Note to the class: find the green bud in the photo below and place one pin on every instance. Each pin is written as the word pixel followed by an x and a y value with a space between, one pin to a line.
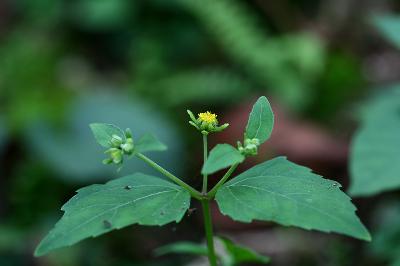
pixel 250 147
pixel 128 146
pixel 116 140
pixel 116 155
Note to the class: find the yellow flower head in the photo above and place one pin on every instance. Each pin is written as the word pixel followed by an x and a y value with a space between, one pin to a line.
pixel 208 117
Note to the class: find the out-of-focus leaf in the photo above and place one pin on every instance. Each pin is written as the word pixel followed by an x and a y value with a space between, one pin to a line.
pixel 289 194
pixel 28 79
pixel 228 253
pixel 75 156
pixel 98 209
pixel 236 254
pixel 101 15
pixel 261 121
pixel 3 134
pixel 389 26
pixel 209 85
pixel 221 156
pixel 148 142
pixel 33 12
pixel 386 233
pixel 375 152
pixel 183 247
pixel 103 133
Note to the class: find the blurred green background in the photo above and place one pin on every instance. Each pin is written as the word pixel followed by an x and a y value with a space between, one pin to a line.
pixel 141 64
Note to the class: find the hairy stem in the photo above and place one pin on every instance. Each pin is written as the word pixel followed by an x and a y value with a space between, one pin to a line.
pixel 212 258
pixel 214 190
pixel 205 154
pixel 193 192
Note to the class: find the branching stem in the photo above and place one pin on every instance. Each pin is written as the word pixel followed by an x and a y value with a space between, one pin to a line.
pixel 193 192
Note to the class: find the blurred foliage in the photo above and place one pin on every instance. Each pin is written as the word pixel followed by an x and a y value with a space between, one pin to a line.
pixel 287 65
pixel 386 244
pixel 76 157
pixel 389 26
pixel 228 252
pixel 375 149
pixel 3 134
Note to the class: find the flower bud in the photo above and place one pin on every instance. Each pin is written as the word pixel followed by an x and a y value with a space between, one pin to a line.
pixel 116 155
pixel 250 147
pixel 128 146
pixel 116 141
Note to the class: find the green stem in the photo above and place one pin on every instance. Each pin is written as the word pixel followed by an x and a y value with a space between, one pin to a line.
pixel 193 192
pixel 212 258
pixel 214 190
pixel 205 154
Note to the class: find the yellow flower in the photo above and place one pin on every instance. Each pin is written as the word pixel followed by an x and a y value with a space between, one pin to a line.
pixel 208 117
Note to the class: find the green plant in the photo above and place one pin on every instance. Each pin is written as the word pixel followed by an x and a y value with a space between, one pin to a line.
pixel 276 190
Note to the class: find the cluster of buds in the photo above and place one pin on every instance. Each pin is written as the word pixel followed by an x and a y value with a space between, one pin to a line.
pixel 250 147
pixel 120 146
pixel 206 122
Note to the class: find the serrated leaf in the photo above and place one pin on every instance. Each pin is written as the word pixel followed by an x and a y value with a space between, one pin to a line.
pixel 103 133
pixel 183 247
pixel 98 209
pixel 236 254
pixel 149 142
pixel 375 149
pixel 220 157
pixel 389 26
pixel 289 194
pixel 261 121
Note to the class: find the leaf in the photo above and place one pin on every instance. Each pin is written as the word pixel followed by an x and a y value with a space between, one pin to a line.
pixel 228 252
pixel 98 209
pixel 182 247
pixel 386 232
pixel 149 142
pixel 221 156
pixel 289 194
pixel 236 254
pixel 104 132
pixel 389 26
pixel 261 121
pixel 375 149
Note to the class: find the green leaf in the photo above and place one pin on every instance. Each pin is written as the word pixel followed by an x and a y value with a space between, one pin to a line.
pixel 103 133
pixel 261 121
pixel 389 26
pixel 221 156
pixel 183 247
pixel 289 194
pixel 98 209
pixel 236 254
pixel 149 142
pixel 228 252
pixel 386 232
pixel 375 149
